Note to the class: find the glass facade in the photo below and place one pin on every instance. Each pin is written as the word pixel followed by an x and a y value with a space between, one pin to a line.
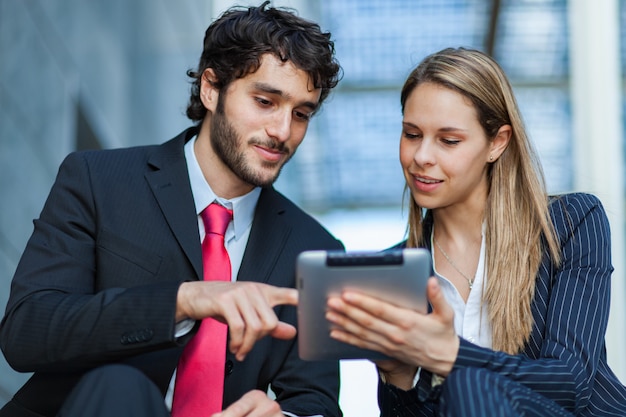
pixel 355 163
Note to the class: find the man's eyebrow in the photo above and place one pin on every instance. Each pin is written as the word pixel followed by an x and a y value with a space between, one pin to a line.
pixel 269 89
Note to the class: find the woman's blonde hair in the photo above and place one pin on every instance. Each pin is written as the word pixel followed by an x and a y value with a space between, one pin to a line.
pixel 516 213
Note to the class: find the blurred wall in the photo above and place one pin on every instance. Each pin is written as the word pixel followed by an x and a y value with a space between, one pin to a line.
pixel 101 71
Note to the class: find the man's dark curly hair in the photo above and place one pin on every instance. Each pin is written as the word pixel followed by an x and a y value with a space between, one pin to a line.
pixel 236 41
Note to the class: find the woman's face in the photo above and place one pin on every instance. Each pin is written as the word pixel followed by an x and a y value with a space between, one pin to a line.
pixel 444 151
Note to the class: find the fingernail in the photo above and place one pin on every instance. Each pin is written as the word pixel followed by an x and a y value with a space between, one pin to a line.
pixel 334 302
pixel 334 334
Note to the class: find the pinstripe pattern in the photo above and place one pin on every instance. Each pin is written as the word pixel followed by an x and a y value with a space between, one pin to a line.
pixel 565 358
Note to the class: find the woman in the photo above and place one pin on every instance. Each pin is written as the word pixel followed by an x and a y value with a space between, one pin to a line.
pixel 520 297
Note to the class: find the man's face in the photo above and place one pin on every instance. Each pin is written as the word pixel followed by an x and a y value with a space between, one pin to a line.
pixel 258 121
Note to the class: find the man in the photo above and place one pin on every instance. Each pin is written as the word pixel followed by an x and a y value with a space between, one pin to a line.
pixel 111 290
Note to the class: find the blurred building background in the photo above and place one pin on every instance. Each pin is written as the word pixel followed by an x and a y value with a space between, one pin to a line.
pixel 111 73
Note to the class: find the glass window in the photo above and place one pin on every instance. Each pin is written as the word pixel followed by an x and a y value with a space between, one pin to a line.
pixel 378 43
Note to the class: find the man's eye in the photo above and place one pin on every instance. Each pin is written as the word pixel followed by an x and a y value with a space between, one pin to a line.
pixel 303 116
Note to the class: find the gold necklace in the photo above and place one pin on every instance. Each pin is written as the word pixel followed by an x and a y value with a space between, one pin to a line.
pixel 443 252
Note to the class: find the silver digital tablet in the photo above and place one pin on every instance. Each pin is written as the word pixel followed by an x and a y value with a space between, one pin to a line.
pixel 397 276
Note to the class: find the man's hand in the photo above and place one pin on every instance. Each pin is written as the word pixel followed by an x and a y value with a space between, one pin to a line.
pixel 246 307
pixel 253 404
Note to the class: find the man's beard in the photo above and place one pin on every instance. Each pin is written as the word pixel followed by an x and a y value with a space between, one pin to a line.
pixel 226 144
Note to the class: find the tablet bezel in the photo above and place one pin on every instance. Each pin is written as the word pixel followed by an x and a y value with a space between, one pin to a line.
pixel 398 276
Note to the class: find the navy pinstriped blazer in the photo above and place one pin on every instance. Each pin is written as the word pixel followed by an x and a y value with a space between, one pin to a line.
pixel 565 357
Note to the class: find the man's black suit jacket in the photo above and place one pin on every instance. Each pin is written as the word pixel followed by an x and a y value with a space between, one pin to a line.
pixel 98 279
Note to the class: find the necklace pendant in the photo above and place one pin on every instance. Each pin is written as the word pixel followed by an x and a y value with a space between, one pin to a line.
pixel 445 255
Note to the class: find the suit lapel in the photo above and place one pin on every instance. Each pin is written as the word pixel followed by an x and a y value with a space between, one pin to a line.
pixel 267 238
pixel 169 181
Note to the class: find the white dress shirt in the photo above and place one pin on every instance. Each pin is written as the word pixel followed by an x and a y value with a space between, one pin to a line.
pixel 235 238
pixel 238 231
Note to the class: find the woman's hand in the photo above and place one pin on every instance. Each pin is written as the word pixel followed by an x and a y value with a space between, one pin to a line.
pixel 412 338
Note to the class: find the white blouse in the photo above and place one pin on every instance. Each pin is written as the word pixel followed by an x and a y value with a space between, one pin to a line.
pixel 471 321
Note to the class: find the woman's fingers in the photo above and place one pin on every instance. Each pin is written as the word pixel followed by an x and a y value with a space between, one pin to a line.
pixel 414 338
pixel 441 309
pixel 364 321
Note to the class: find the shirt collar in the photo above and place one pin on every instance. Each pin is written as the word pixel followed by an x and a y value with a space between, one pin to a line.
pixel 242 206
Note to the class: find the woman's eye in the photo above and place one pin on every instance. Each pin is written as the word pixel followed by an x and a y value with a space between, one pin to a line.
pixel 412 135
pixel 450 141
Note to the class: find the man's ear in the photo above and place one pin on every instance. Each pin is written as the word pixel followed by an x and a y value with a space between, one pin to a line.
pixel 208 90
pixel 500 142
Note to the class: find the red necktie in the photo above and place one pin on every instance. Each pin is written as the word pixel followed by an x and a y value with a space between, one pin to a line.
pixel 200 374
